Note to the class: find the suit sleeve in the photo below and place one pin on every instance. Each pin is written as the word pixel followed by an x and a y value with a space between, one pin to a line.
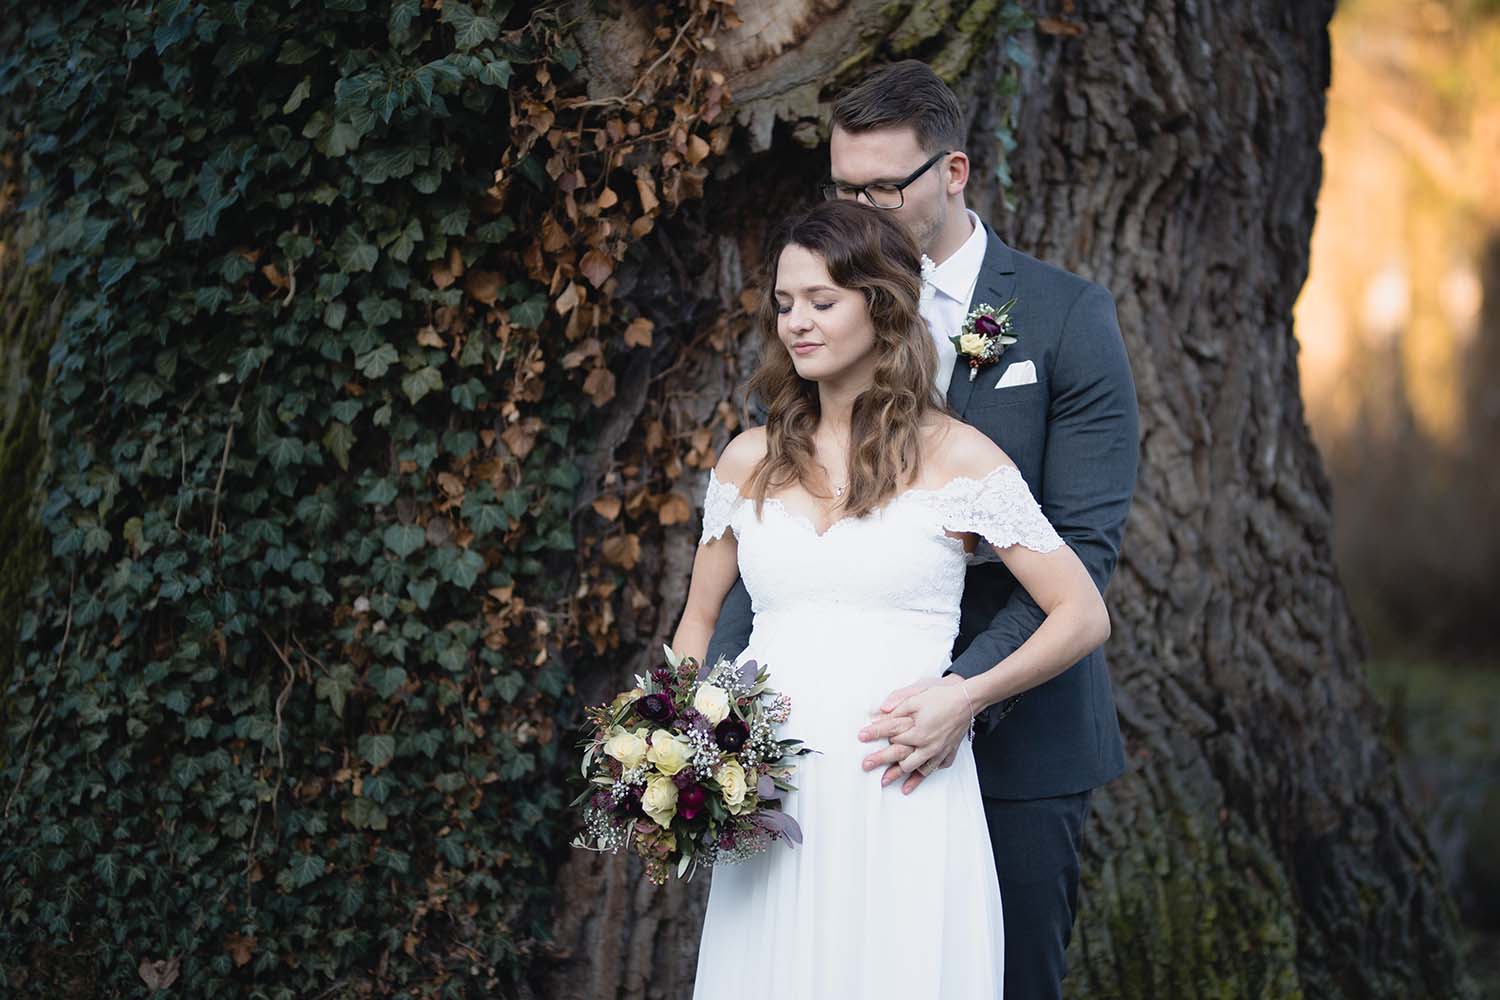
pixel 732 630
pixel 1088 468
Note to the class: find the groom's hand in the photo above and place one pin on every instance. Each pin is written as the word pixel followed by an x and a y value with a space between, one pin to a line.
pixel 925 722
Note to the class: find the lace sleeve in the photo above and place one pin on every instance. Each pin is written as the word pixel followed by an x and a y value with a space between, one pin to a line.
pixel 1001 510
pixel 718 507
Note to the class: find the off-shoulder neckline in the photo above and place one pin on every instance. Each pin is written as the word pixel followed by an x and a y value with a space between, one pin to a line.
pixel 916 491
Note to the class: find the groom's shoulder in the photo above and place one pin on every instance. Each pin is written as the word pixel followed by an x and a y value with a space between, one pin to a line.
pixel 1051 279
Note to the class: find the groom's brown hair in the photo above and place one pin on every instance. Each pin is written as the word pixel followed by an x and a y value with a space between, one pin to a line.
pixel 906 93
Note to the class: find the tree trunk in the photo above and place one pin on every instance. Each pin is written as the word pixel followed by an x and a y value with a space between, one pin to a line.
pixel 1259 845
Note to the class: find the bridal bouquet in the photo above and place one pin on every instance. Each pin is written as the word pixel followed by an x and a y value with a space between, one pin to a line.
pixel 686 768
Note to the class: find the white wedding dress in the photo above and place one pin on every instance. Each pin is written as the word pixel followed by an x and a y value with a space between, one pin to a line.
pixel 888 896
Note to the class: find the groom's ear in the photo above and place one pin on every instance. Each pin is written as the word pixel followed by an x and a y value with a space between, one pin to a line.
pixel 956 172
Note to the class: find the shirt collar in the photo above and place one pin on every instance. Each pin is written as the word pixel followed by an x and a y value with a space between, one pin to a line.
pixel 956 276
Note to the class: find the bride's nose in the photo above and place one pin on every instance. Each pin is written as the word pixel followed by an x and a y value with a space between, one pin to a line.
pixel 799 318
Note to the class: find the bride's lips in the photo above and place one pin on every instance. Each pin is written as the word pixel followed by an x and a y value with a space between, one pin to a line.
pixel 805 347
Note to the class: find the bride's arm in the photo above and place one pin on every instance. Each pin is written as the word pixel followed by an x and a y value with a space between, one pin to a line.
pixel 927 720
pixel 715 568
pixel 1076 623
pixel 716 563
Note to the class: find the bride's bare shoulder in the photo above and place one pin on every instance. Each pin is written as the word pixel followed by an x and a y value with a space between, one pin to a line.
pixel 960 449
pixel 741 455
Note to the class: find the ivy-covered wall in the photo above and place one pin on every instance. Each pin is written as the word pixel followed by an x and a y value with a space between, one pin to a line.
pixel 336 324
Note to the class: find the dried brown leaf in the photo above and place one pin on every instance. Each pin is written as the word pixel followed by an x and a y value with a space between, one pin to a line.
pixel 622 550
pixel 674 510
pixel 1058 26
pixel 600 386
pixel 483 286
pixel 638 333
pixel 607 507
pixel 597 267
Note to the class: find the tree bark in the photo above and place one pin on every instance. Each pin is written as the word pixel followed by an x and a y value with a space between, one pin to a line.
pixel 1259 844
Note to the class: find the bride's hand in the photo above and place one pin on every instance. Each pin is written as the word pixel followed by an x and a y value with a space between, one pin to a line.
pixel 926 723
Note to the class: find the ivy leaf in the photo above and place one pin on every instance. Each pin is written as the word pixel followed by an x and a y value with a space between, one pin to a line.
pixel 467 394
pixel 496 73
pixel 113 269
pixel 377 362
pixel 377 748
pixel 466 569
pixel 469 29
pixel 284 452
pixel 403 12
pixel 306 869
pixel 403 539
pixel 299 94
pixel 334 313
pixel 380 493
pixel 353 252
pixel 386 680
pixel 421 591
pixel 363 814
pixel 338 439
pixel 377 310
pixel 529 313
pixel 420 382
pixel 335 687
pixel 143 390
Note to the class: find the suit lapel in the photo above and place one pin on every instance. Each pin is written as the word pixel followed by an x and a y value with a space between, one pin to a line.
pixel 996 284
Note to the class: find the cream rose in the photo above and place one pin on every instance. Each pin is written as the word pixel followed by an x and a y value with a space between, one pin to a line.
pixel 731 779
pixel 971 343
pixel 713 702
pixel 669 753
pixel 626 747
pixel 660 800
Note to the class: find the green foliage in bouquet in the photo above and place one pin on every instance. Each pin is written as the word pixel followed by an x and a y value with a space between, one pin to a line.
pixel 283 718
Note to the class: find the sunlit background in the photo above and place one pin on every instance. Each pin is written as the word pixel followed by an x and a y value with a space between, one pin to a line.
pixel 1399 325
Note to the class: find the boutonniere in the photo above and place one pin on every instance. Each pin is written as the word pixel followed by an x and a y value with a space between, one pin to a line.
pixel 985 335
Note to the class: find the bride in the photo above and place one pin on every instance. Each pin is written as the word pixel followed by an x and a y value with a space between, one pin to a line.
pixel 851 515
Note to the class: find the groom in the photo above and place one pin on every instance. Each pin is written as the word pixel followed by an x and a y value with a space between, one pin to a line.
pixel 1061 404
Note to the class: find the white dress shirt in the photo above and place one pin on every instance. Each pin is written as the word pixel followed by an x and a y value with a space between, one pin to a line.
pixel 946 292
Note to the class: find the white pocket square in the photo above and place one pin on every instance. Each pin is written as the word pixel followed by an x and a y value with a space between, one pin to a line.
pixel 1020 373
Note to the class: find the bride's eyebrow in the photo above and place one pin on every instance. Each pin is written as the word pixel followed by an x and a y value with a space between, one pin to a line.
pixel 806 291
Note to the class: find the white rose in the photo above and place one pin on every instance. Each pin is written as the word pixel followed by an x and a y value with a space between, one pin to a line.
pixel 713 702
pixel 971 343
pixel 660 800
pixel 731 779
pixel 669 753
pixel 626 747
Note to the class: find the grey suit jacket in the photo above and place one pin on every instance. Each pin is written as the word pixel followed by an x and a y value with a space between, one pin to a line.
pixel 1074 436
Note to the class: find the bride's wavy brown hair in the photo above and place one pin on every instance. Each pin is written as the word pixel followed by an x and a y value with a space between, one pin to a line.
pixel 866 251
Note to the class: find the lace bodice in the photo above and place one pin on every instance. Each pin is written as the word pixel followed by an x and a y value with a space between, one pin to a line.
pixel 897 560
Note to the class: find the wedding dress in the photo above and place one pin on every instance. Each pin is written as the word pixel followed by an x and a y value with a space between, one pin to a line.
pixel 889 895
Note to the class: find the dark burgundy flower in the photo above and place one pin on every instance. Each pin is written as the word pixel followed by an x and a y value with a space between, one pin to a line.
pixel 656 707
pixel 726 840
pixel 986 326
pixel 731 735
pixel 662 675
pixel 630 804
pixel 690 801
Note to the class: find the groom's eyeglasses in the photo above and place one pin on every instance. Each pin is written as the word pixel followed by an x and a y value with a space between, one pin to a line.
pixel 882 194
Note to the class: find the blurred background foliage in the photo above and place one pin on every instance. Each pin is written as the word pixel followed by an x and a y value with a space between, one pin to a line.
pixel 1399 324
